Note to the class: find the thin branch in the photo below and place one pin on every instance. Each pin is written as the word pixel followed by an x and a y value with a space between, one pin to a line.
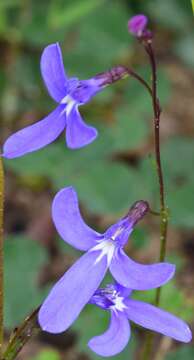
pixel 1 255
pixel 21 335
pixel 163 210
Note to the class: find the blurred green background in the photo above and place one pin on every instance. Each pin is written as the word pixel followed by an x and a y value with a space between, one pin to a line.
pixel 110 174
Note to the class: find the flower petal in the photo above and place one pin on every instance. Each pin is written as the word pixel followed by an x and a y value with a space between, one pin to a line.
pixel 78 134
pixel 71 293
pixel 35 136
pixel 137 276
pixel 114 340
pixel 53 72
pixel 123 291
pixel 150 317
pixel 69 223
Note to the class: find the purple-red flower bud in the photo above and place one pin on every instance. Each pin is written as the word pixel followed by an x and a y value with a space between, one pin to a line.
pixel 109 77
pixel 138 211
pixel 137 25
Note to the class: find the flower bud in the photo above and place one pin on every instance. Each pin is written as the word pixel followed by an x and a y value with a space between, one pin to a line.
pixel 116 73
pixel 137 211
pixel 137 24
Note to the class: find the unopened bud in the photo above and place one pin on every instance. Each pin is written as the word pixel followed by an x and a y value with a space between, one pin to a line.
pixel 116 73
pixel 138 211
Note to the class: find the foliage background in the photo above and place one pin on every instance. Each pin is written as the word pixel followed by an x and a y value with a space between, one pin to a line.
pixel 111 173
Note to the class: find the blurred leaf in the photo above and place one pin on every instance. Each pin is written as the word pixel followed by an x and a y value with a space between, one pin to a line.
pixel 47 355
pixel 172 299
pixel 102 40
pixel 133 115
pixel 148 174
pixel 178 177
pixel 163 84
pixel 176 259
pixel 33 25
pixel 5 7
pixel 23 260
pixel 178 159
pixel 185 50
pixel 110 193
pixel 173 14
pixel 103 185
pixel 185 352
pixel 127 131
pixel 178 164
pixel 139 238
pixel 181 205
pixel 68 15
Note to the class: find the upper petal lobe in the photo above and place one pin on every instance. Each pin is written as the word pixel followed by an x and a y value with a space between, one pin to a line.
pixel 137 276
pixel 78 134
pixel 53 72
pixel 35 136
pixel 114 340
pixel 69 223
pixel 71 293
pixel 150 317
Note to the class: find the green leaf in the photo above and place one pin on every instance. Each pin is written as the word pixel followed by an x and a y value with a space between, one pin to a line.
pixel 135 115
pixel 181 205
pixel 103 185
pixel 128 131
pixel 101 39
pixel 185 352
pixel 178 159
pixel 184 49
pixel 139 238
pixel 23 260
pixel 108 188
pixel 174 14
pixel 68 15
pixel 47 355
pixel 178 164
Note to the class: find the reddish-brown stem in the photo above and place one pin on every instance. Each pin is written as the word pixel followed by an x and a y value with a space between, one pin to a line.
pixel 140 79
pixel 157 112
pixel 1 254
pixel 163 210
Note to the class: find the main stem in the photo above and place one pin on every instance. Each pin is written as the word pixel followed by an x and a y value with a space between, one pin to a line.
pixel 1 253
pixel 163 210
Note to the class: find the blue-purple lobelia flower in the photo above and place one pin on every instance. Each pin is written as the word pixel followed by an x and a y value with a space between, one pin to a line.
pixel 69 93
pixel 115 298
pixel 71 293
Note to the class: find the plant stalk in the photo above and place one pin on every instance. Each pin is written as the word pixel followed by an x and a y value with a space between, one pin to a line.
pixel 147 351
pixel 21 335
pixel 163 208
pixel 1 255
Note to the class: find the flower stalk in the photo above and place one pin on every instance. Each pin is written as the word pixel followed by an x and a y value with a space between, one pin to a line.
pixel 163 209
pixel 157 113
pixel 1 253
pixel 21 335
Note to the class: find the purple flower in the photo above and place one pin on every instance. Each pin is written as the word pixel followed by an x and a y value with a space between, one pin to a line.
pixel 69 93
pixel 115 299
pixel 137 26
pixel 71 293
